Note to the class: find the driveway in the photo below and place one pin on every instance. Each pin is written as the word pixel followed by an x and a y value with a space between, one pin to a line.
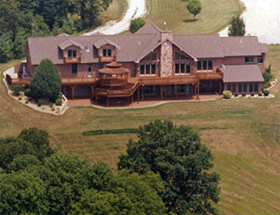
pixel 136 8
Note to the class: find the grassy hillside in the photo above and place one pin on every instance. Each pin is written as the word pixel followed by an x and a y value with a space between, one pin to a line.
pixel 115 11
pixel 243 135
pixel 214 17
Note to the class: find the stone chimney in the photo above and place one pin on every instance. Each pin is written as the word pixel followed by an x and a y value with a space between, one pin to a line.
pixel 166 55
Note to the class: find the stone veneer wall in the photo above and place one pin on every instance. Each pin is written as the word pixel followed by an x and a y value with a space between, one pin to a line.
pixel 166 58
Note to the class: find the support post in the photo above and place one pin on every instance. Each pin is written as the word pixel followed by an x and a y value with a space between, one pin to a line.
pixel 197 97
pixel 142 93
pixel 73 91
pixel 138 95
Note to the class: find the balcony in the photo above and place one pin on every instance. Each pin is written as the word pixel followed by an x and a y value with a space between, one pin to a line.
pixel 172 80
pixel 210 75
pixel 106 59
pixel 72 59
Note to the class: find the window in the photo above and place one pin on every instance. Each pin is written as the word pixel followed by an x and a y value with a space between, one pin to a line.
pixel 153 68
pixel 179 56
pixel 89 68
pixel 251 88
pixel 249 59
pixel 148 69
pixel 151 57
pixel 74 68
pixel 142 69
pixel 199 65
pixel 72 53
pixel 104 52
pixel 205 64
pixel 229 87
pixel 256 88
pixel 242 88
pixel 177 68
pixel 260 59
pixel 183 89
pixel 109 52
pixel 95 52
pixel 182 68
pixel 69 53
pixel 150 90
pixel 154 56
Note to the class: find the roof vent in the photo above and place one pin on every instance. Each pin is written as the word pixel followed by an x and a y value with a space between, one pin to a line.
pixel 139 42
pixel 87 46
pixel 240 40
pixel 119 47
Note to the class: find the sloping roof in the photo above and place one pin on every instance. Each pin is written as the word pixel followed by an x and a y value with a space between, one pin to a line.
pixel 63 35
pixel 133 47
pixel 104 41
pixel 68 43
pixel 264 48
pixel 241 46
pixel 241 73
pixel 201 45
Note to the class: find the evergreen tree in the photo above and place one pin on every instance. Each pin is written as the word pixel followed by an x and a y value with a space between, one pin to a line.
pixel 46 82
pixel 237 27
pixel 6 47
pixel 136 24
pixel 19 44
pixel 182 162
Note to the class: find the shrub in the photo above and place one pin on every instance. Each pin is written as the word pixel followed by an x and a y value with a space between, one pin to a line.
pixel 243 94
pixel 266 92
pixel 227 94
pixel 236 95
pixel 267 76
pixel 266 85
pixel 136 24
pixel 60 95
pixel 50 104
pixel 260 94
pixel 17 88
pixel 58 102
pixel 20 98
pixel 26 102
pixel 39 103
pixel 52 109
pixel 252 94
pixel 27 92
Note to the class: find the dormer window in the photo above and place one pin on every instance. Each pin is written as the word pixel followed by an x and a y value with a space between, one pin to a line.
pixel 72 53
pixel 249 59
pixel 179 56
pixel 107 52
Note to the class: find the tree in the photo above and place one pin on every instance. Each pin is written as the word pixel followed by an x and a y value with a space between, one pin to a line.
pixel 19 44
pixel 237 27
pixel 125 194
pixel 182 162
pixel 136 24
pixel 6 46
pixel 194 7
pixel 46 82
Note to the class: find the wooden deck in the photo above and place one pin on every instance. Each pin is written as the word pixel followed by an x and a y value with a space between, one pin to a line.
pixel 210 75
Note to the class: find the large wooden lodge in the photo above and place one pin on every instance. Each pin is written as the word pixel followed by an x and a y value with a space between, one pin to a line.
pixel 150 63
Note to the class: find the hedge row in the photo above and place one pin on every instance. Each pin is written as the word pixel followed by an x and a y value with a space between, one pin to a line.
pixel 112 131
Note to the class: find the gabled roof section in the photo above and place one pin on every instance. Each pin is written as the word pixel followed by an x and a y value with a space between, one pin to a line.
pixel 63 35
pixel 149 28
pixel 104 41
pixel 241 73
pixel 200 45
pixel 264 48
pixel 241 46
pixel 68 43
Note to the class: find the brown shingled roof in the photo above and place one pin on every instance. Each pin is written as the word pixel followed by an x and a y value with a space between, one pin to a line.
pixel 68 43
pixel 241 73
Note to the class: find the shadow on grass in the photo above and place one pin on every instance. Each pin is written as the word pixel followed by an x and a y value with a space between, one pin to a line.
pixel 190 20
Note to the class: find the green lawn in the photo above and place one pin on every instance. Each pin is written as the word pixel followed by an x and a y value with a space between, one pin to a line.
pixel 214 17
pixel 243 135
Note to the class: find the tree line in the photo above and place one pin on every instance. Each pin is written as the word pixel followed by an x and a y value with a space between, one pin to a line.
pixel 167 171
pixel 20 19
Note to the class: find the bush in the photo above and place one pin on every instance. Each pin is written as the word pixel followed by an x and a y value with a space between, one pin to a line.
pixel 243 94
pixel 50 104
pixel 266 85
pixel 39 103
pixel 260 94
pixel 227 94
pixel 20 98
pixel 27 92
pixel 26 102
pixel 58 102
pixel 17 88
pixel 267 76
pixel 252 94
pixel 266 92
pixel 60 95
pixel 236 95
pixel 136 24
pixel 52 109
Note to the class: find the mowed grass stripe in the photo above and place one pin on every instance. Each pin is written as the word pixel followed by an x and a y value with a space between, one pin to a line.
pixel 214 17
